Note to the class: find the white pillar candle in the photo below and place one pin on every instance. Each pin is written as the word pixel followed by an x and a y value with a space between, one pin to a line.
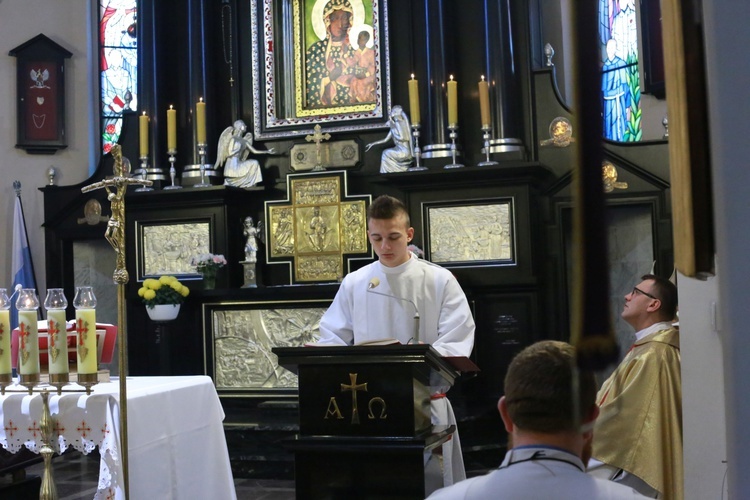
pixel 28 343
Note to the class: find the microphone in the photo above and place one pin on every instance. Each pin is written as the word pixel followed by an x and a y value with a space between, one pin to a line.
pixel 374 282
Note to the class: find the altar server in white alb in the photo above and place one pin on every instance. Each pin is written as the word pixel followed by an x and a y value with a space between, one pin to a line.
pixel 407 298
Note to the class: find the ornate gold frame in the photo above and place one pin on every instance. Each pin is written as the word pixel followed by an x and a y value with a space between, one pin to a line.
pixel 278 49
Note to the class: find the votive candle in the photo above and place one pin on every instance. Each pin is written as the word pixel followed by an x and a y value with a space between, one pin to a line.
pixel 57 343
pixel 86 341
pixel 6 366
pixel 28 343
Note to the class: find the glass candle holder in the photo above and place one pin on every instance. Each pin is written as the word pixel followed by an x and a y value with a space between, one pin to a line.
pixel 27 304
pixel 57 343
pixel 6 366
pixel 85 304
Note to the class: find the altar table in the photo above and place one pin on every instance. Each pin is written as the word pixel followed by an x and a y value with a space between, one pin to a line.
pixel 176 443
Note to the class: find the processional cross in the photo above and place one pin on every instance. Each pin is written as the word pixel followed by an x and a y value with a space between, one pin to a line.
pixel 317 137
pixel 116 187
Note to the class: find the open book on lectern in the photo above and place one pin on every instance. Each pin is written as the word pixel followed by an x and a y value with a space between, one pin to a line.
pixel 460 363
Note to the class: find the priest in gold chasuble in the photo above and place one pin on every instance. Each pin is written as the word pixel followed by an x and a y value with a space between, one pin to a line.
pixel 638 435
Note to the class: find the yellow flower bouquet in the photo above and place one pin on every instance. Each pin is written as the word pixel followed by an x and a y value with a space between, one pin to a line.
pixel 165 290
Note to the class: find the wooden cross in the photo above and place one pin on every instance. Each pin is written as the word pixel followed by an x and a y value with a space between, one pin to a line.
pixel 354 387
pixel 317 137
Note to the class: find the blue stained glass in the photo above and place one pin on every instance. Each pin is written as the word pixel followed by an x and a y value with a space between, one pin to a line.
pixel 118 64
pixel 621 87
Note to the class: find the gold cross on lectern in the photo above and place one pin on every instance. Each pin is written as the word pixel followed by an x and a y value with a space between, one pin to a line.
pixel 317 137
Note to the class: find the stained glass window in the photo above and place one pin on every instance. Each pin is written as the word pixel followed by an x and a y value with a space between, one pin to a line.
pixel 118 64
pixel 621 87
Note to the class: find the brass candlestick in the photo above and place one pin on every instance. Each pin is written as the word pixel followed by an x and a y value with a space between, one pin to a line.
pixel 486 129
pixel 417 150
pixel 453 135
pixel 116 186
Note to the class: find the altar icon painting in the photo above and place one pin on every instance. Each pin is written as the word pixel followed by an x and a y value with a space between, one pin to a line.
pixel 337 56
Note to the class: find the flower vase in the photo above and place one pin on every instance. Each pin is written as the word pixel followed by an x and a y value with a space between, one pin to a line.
pixel 209 280
pixel 163 312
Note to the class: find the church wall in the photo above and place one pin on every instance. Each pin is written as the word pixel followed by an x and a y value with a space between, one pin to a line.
pixel 66 24
pixel 725 30
pixel 704 424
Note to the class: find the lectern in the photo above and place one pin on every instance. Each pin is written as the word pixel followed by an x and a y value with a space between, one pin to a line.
pixel 365 419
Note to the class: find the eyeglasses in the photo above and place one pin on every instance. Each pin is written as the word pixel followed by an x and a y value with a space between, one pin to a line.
pixel 638 290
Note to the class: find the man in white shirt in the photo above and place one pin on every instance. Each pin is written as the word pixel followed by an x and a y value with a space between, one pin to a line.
pixel 406 298
pixel 549 421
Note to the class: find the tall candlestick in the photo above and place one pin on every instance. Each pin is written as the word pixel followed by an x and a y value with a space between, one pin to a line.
pixel 484 102
pixel 200 121
pixel 452 102
pixel 85 302
pixel 143 129
pixel 414 101
pixel 171 128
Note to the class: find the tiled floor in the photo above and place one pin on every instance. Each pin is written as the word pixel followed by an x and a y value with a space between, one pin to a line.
pixel 76 476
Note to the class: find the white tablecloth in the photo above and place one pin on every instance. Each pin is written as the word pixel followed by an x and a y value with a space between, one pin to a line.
pixel 177 448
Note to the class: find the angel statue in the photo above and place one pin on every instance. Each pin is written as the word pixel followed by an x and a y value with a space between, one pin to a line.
pixel 235 144
pixel 399 157
pixel 252 234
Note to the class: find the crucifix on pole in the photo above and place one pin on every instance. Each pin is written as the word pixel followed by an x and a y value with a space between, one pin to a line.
pixel 116 186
